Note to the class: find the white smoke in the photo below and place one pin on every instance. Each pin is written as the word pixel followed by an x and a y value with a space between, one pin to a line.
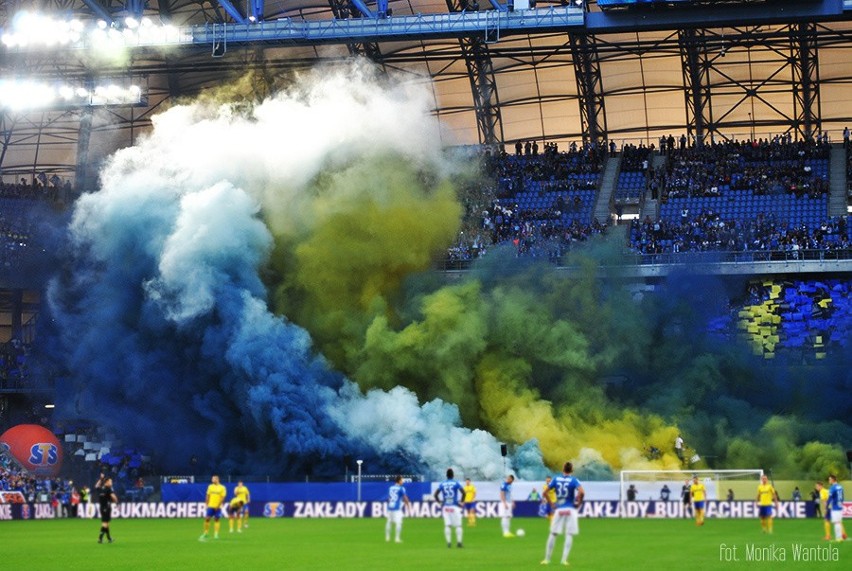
pixel 186 200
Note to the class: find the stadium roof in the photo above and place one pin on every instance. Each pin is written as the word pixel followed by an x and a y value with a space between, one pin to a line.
pixel 752 80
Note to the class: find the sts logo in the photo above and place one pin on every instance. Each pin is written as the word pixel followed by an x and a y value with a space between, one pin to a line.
pixel 35 447
pixel 43 454
pixel 273 509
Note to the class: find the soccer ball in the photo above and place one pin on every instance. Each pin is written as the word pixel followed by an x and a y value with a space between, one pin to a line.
pixel 520 533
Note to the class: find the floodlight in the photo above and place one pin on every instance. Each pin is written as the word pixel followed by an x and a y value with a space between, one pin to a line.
pixel 33 31
pixel 27 94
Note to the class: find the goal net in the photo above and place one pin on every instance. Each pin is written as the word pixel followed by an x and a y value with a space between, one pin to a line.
pixel 657 485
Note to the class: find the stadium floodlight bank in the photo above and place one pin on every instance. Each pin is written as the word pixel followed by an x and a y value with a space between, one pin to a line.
pixel 649 483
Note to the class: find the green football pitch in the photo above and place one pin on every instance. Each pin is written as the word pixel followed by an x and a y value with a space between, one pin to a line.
pixel 341 545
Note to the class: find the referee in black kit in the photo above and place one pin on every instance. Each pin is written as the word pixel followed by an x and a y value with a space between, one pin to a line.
pixel 106 497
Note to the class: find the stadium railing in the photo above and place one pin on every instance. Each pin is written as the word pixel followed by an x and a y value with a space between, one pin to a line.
pixel 781 257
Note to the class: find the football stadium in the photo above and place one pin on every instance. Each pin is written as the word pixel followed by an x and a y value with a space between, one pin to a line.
pixel 383 284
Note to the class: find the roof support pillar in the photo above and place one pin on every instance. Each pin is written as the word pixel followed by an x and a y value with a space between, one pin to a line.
pixel 805 64
pixel 696 82
pixel 483 84
pixel 587 71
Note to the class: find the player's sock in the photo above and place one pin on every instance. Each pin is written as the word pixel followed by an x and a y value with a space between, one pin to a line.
pixel 551 543
pixel 769 525
pixel 504 523
pixel 387 530
pixel 448 534
pixel 838 531
pixel 459 534
pixel 827 526
pixel 399 532
pixel 569 540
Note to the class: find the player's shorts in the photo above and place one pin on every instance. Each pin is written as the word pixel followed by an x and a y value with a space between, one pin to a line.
pixel 565 521
pixel 698 505
pixel 234 511
pixel 544 510
pixel 214 513
pixel 827 514
pixel 764 511
pixel 106 515
pixel 504 510
pixel 836 516
pixel 470 505
pixel 395 516
pixel 452 515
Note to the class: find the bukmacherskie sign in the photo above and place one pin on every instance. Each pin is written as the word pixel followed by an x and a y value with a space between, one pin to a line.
pixel 343 509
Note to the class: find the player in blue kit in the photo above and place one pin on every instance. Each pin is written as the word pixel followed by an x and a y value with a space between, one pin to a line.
pixel 506 506
pixel 834 506
pixel 569 496
pixel 396 499
pixel 450 494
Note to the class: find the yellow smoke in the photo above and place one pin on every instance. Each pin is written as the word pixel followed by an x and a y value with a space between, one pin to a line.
pixel 365 228
pixel 516 413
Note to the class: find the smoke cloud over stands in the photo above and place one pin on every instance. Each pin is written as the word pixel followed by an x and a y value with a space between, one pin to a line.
pixel 164 315
pixel 243 262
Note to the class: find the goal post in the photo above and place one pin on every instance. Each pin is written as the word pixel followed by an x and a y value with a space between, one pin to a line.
pixel 648 484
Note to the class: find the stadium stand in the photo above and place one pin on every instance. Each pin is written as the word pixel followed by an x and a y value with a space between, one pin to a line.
pixel 735 196
pixel 15 230
pixel 807 316
pixel 92 451
pixel 13 364
pixel 540 203
pixel 57 491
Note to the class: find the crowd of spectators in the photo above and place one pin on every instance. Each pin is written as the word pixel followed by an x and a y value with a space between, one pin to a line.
pixel 774 166
pixel 578 168
pixel 707 231
pixel 130 470
pixel 539 202
pixel 63 495
pixel 42 187
pixel 762 195
pixel 21 204
pixel 531 233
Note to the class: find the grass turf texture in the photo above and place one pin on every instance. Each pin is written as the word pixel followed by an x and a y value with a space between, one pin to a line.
pixel 359 544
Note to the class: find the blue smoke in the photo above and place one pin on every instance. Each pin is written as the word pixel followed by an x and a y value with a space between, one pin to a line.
pixel 165 334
